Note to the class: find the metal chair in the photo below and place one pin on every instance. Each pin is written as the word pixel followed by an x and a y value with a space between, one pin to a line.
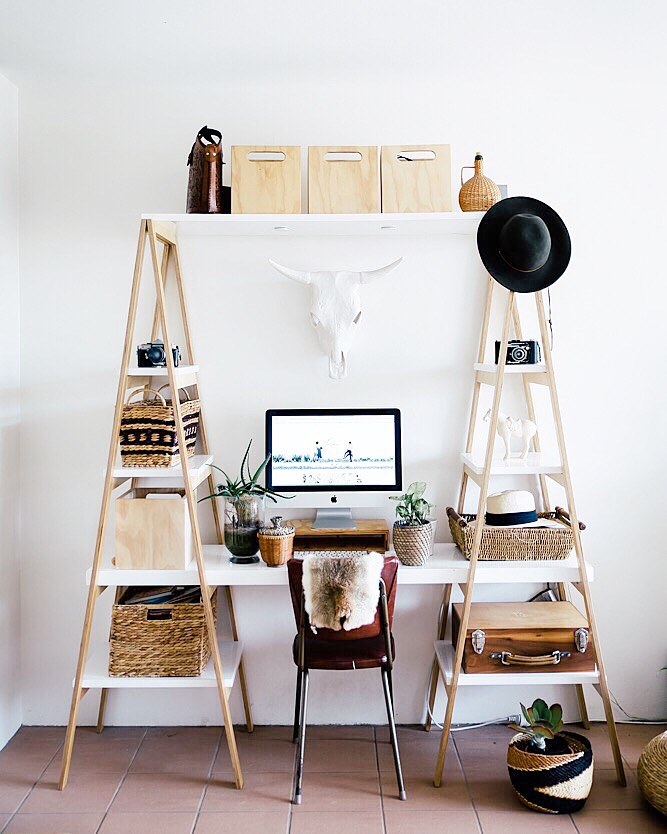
pixel 368 647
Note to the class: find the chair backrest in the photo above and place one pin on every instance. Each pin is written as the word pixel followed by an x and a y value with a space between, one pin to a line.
pixel 389 576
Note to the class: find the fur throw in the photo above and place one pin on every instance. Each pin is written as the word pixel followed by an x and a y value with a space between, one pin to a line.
pixel 342 591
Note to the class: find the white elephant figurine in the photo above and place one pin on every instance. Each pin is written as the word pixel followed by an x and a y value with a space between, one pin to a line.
pixel 507 427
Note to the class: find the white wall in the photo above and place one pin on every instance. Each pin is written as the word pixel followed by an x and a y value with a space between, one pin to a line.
pixel 562 99
pixel 10 631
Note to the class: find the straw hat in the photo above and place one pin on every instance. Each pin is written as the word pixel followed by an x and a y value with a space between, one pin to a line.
pixel 511 508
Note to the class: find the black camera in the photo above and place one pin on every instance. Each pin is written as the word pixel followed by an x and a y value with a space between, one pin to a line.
pixel 521 352
pixel 152 355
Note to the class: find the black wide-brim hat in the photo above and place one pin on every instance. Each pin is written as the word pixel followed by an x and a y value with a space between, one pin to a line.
pixel 523 244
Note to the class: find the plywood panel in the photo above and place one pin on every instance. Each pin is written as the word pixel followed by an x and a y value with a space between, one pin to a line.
pixel 411 183
pixel 266 186
pixel 343 186
pixel 152 533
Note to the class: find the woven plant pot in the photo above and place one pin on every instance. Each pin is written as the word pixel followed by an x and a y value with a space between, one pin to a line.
pixel 478 193
pixel 556 783
pixel 413 543
pixel 276 543
pixel 652 773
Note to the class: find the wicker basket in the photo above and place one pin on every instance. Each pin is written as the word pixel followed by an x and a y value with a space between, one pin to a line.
pixel 276 543
pixel 552 783
pixel 478 193
pixel 652 773
pixel 515 543
pixel 159 641
pixel 148 430
pixel 413 543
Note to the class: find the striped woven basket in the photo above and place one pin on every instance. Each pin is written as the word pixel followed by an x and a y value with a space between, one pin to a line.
pixel 148 430
pixel 552 784
pixel 652 773
pixel 514 543
pixel 159 641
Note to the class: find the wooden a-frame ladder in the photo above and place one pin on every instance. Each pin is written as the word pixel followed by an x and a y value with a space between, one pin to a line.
pixel 495 378
pixel 158 235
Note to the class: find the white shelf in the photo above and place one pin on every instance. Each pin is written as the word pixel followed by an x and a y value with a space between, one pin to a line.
pixel 445 654
pixel 305 225
pixel 96 674
pixel 198 467
pixel 536 463
pixel 447 565
pixel 181 370
pixel 511 369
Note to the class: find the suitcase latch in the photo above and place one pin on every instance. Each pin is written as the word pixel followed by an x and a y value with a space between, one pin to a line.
pixel 581 639
pixel 478 639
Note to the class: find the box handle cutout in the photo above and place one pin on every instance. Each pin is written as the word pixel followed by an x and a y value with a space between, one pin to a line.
pixel 343 156
pixel 266 156
pixel 415 156
pixel 159 614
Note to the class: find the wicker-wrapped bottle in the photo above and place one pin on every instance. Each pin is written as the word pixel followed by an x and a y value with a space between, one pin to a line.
pixel 276 542
pixel 478 193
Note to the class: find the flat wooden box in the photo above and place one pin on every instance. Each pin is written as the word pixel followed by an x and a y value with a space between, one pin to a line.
pixel 523 628
pixel 266 186
pixel 350 186
pixel 416 185
pixel 370 534
pixel 153 533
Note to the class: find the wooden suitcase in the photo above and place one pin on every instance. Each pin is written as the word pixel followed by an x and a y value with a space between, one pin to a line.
pixel 524 637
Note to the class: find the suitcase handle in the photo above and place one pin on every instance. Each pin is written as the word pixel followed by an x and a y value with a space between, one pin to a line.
pixel 509 659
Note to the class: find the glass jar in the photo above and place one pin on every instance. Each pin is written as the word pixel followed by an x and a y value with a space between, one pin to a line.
pixel 243 518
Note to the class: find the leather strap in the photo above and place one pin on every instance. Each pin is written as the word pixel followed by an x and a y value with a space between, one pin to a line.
pixel 207 133
pixel 510 659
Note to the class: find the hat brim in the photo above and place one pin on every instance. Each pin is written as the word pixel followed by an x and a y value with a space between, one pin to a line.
pixel 488 237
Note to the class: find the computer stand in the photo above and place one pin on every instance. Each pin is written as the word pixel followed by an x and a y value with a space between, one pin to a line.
pixel 334 518
pixel 369 534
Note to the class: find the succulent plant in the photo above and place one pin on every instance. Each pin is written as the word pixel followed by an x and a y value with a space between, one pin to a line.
pixel 237 490
pixel 543 722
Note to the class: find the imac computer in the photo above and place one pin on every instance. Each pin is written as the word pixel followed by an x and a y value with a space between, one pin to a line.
pixel 334 459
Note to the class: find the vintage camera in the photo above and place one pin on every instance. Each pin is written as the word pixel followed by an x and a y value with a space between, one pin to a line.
pixel 521 352
pixel 152 355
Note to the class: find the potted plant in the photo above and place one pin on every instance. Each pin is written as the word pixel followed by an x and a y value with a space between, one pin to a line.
pixel 551 770
pixel 244 509
pixel 413 531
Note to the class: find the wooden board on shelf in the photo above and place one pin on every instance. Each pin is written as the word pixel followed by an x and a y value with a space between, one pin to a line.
pixel 369 534
pixel 266 186
pixel 343 186
pixel 412 183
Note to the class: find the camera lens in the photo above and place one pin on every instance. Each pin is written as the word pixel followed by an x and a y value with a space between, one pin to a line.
pixel 156 355
pixel 519 354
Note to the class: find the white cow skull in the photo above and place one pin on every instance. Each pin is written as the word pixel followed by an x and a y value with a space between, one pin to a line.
pixel 335 308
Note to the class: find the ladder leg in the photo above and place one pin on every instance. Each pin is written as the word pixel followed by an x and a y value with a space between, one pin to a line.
pixel 574 519
pixel 477 541
pixel 435 669
pixel 564 594
pixel 104 694
pixel 242 676
pixel 192 512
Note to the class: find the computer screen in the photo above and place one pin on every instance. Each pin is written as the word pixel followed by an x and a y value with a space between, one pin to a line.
pixel 333 449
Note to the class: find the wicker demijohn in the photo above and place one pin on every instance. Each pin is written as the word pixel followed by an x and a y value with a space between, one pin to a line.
pixel 518 543
pixel 148 430
pixel 161 641
pixel 552 783
pixel 652 773
pixel 413 543
pixel 478 193
pixel 276 542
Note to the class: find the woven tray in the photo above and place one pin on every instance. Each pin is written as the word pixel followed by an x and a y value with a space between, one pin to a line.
pixel 515 543
pixel 148 430
pixel 159 641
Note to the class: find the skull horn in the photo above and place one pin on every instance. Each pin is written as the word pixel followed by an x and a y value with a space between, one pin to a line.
pixel 367 277
pixel 294 274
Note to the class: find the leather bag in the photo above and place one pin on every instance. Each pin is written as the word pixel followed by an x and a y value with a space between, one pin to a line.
pixel 206 194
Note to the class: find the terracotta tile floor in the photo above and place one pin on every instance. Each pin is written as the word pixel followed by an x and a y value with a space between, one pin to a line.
pixel 178 781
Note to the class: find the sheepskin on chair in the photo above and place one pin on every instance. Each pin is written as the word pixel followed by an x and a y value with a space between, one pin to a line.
pixel 342 591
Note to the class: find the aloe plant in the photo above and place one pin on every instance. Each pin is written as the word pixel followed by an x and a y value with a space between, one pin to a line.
pixel 412 509
pixel 543 722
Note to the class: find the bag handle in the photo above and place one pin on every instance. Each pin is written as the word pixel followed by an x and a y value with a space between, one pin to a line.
pixel 510 659
pixel 146 389
pixel 207 133
pixel 451 512
pixel 166 385
pixel 561 513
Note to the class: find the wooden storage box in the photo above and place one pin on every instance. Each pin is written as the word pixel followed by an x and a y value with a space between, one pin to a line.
pixel 523 636
pixel 153 533
pixel 159 641
pixel 416 178
pixel 343 179
pixel 266 179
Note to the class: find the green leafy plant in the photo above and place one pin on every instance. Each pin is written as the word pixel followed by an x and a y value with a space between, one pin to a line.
pixel 543 722
pixel 412 509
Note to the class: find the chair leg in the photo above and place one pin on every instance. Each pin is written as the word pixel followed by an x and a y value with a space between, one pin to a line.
pixel 297 706
pixel 302 740
pixel 386 685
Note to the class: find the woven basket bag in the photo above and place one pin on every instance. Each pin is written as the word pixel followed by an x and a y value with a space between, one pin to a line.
pixel 514 543
pixel 652 773
pixel 148 430
pixel 413 543
pixel 478 193
pixel 552 784
pixel 159 641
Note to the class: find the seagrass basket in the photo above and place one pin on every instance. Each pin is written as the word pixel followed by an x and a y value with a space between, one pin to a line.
pixel 478 193
pixel 552 783
pixel 515 543
pixel 276 543
pixel 148 434
pixel 413 543
pixel 159 641
pixel 652 773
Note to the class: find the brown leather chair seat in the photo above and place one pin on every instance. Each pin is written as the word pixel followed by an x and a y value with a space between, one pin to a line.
pixel 369 653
